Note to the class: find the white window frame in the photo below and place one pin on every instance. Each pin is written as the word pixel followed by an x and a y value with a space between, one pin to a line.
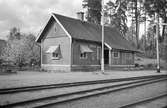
pixel 55 57
pixel 83 55
pixel 117 53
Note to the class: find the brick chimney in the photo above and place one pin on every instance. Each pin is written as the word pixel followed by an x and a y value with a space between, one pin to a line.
pixel 80 16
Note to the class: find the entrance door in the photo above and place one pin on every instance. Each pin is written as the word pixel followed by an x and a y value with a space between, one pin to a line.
pixel 106 56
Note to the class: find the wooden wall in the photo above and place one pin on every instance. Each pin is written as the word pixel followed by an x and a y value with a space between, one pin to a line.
pixel 125 58
pixel 92 58
pixel 54 36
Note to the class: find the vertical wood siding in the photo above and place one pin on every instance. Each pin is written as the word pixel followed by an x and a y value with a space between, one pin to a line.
pixel 91 57
pixel 56 36
pixel 125 58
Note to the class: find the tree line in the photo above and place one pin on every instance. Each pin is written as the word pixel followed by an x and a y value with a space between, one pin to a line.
pixel 137 12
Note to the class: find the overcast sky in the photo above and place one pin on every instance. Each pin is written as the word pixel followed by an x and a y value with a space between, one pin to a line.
pixel 31 15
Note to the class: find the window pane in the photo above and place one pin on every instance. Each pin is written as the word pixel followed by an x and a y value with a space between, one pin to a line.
pixel 115 54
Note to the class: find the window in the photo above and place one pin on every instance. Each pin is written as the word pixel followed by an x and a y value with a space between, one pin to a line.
pixel 128 55
pixel 55 55
pixel 115 54
pixel 83 55
pixel 54 51
pixel 84 51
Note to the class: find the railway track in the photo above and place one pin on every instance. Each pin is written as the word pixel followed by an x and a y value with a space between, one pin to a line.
pixel 145 100
pixel 62 85
pixel 81 93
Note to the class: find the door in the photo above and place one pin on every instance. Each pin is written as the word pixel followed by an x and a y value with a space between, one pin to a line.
pixel 106 56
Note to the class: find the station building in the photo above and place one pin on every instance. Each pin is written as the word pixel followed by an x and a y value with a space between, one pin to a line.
pixel 70 44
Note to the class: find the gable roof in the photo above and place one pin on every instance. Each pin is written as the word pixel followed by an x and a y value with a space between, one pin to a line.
pixel 88 31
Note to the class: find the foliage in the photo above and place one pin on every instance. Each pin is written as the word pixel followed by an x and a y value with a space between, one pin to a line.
pixel 21 51
pixel 137 13
pixel 116 12
pixel 33 49
pixel 157 6
pixel 163 49
pixel 148 44
pixel 93 10
pixel 2 46
pixel 130 35
pixel 14 34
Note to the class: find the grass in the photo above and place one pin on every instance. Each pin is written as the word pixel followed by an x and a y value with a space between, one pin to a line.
pixel 150 63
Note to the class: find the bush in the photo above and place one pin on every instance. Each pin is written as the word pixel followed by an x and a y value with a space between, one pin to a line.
pixel 150 65
pixel 137 65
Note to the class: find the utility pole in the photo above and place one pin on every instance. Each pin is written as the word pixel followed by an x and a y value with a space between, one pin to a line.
pixel 102 50
pixel 157 41
pixel 137 23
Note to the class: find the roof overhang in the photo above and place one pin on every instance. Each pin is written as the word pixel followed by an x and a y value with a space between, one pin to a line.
pixel 108 46
pixel 52 16
pixel 39 35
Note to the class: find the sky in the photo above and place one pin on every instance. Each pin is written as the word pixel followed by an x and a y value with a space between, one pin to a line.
pixel 31 15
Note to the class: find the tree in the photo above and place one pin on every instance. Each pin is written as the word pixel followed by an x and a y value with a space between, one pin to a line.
pixel 15 52
pixel 137 13
pixel 143 43
pixel 93 10
pixel 116 12
pixel 22 51
pixel 33 49
pixel 14 34
pixel 157 6
pixel 151 42
pixel 2 47
pixel 130 35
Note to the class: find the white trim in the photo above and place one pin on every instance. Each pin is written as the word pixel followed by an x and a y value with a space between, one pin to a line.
pixel 43 28
pixel 114 56
pixel 63 28
pixel 110 57
pixel 108 46
pixel 67 35
pixel 54 65
pixel 41 52
pixel 85 57
pixel 85 65
pixel 122 65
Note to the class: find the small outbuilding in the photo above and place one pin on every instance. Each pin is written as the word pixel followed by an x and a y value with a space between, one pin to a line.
pixel 73 44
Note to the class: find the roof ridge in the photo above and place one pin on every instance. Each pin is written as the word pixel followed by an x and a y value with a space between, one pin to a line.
pixel 77 19
pixel 84 21
pixel 90 31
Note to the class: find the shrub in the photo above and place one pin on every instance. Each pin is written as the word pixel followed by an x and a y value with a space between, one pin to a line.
pixel 137 65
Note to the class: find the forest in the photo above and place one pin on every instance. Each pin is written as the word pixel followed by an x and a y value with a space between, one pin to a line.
pixel 129 16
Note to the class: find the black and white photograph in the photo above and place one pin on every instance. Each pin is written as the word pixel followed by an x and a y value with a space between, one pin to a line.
pixel 83 53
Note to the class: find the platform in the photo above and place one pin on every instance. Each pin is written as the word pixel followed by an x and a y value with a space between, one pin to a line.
pixel 29 78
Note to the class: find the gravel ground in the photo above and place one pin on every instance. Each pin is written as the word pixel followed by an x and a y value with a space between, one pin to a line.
pixel 12 98
pixel 158 103
pixel 40 78
pixel 116 99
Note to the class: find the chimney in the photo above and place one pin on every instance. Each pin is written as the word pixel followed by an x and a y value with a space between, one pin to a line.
pixel 80 16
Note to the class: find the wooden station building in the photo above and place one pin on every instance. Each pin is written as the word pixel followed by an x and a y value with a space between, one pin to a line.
pixel 70 44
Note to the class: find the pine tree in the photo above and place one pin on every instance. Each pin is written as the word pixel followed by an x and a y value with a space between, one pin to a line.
pixel 93 10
